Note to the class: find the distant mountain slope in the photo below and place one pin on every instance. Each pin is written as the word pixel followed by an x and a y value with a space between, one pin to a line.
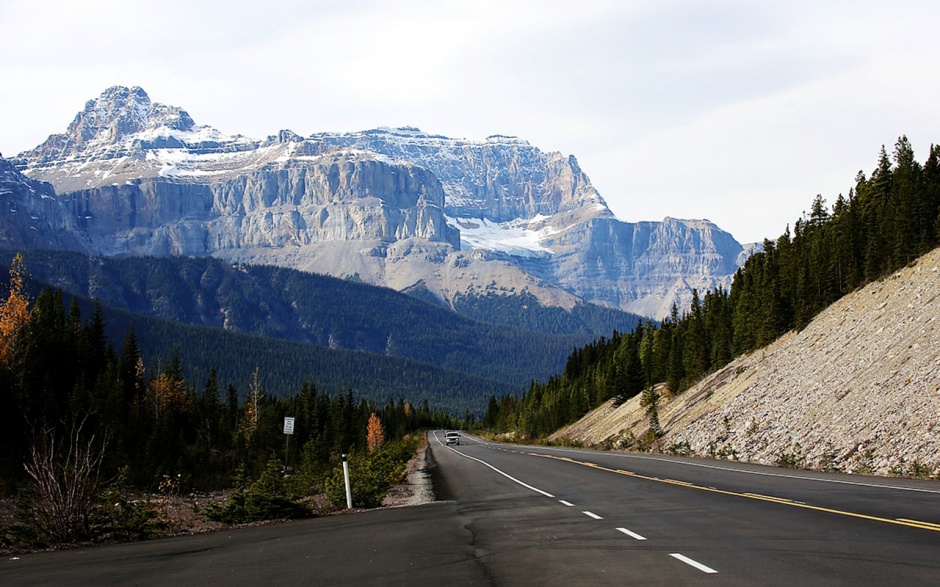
pixel 283 366
pixel 293 305
pixel 857 390
pixel 392 207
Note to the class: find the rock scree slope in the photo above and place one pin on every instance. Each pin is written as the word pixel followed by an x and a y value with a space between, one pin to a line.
pixel 858 390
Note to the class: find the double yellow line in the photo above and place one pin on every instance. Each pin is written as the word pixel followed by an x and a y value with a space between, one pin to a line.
pixel 898 521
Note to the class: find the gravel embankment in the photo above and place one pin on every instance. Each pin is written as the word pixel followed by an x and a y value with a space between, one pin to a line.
pixel 858 390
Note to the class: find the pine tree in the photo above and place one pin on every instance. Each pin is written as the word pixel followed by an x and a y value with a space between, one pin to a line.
pixel 253 407
pixel 129 368
pixel 912 226
pixel 630 378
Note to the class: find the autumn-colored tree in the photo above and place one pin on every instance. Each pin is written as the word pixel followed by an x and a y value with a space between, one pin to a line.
pixel 169 393
pixel 14 315
pixel 375 433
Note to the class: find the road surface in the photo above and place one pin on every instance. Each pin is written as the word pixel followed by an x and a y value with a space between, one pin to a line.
pixel 512 515
pixel 618 518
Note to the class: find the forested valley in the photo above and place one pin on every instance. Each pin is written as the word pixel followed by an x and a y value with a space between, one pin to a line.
pixel 512 339
pixel 887 220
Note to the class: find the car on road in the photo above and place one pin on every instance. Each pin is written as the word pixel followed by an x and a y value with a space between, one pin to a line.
pixel 452 438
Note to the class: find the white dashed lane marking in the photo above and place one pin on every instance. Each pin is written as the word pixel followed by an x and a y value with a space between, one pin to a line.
pixel 693 563
pixel 631 534
pixel 634 535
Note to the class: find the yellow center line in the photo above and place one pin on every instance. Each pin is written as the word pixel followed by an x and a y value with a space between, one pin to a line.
pixel 767 497
pixel 898 522
pixel 927 525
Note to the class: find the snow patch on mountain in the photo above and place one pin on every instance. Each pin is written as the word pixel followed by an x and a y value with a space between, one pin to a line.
pixel 513 238
pixel 181 163
pixel 198 134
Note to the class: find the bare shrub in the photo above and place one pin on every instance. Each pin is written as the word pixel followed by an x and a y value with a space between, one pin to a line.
pixel 64 482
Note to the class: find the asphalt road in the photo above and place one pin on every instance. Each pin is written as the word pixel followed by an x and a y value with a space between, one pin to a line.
pixel 545 516
pixel 617 518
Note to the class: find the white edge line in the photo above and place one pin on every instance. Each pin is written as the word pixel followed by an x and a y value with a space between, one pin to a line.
pixel 510 477
pixel 592 515
pixel 693 563
pixel 633 535
pixel 567 503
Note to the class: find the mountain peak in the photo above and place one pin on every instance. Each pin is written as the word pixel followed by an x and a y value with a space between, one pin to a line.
pixel 119 112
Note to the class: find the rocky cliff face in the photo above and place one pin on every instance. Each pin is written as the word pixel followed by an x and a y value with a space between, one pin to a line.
pixel 337 197
pixel 119 136
pixel 858 390
pixel 644 267
pixel 575 241
pixel 31 216
pixel 501 179
pixel 393 207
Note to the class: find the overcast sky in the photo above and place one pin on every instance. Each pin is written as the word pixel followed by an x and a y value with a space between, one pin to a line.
pixel 736 111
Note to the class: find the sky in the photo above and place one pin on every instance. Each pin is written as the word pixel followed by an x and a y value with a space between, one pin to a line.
pixel 740 112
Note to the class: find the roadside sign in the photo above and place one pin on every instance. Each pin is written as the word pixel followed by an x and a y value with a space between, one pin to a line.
pixel 288 425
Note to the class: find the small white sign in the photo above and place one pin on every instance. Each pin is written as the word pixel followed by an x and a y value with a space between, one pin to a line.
pixel 288 425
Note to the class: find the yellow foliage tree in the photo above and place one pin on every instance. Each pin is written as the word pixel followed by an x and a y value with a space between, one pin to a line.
pixel 375 433
pixel 14 315
pixel 169 393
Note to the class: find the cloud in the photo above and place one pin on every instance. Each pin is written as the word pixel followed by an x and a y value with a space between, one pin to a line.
pixel 736 111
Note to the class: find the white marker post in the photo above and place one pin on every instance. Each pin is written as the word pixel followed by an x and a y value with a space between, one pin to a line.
pixel 348 489
pixel 288 430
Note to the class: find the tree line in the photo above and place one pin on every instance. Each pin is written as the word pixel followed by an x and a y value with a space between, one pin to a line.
pixel 887 221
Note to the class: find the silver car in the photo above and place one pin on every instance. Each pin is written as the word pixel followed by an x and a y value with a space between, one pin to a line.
pixel 452 438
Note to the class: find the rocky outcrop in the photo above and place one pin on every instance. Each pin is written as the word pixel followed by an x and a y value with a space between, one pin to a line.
pixel 642 268
pixel 858 390
pixel 114 138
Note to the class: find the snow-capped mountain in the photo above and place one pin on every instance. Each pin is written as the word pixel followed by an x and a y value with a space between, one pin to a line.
pixel 394 207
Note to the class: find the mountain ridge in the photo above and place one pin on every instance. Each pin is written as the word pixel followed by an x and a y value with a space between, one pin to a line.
pixel 386 206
